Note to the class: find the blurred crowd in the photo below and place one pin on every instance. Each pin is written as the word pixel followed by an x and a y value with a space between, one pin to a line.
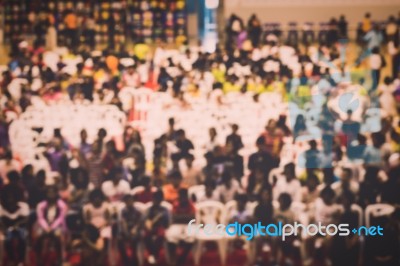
pixel 98 203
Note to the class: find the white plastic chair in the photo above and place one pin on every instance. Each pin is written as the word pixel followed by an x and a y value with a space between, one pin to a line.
pixel 196 191
pixel 209 212
pixel 377 210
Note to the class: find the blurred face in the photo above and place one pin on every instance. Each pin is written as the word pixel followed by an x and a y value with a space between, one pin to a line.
pixel 265 196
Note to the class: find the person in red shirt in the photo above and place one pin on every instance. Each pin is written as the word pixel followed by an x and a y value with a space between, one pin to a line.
pixel 183 211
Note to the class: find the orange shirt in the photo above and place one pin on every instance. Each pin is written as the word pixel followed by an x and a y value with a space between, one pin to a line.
pixel 171 193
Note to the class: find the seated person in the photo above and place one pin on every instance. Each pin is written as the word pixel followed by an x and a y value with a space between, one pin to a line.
pixel 183 211
pixel 51 219
pixel 210 192
pixel 171 190
pixel 130 225
pixel 97 212
pixel 147 194
pixel 156 221
pixel 117 187
pixel 288 183
pixel 13 219
pixel 93 247
pixel 229 187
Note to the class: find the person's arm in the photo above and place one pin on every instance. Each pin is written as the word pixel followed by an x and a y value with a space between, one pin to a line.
pixel 61 217
pixel 40 216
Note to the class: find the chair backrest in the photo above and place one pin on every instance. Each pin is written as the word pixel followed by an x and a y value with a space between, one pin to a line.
pixel 137 190
pixel 359 211
pixel 196 191
pixel 377 210
pixel 211 212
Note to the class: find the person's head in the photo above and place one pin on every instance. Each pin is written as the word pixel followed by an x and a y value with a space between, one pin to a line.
pixel 271 125
pixel 51 194
pixel 175 158
pixel 312 144
pixel 241 200
pixel 27 171
pixel 13 177
pixel 9 197
pixel 116 174
pixel 362 140
pixel 312 182
pixel 102 133
pixel 378 139
pixel 375 50
pixel 346 175
pixel 158 197
pixel 285 201
pixel 235 128
pixel 327 195
pixel 96 197
pixel 80 178
pixel 189 159
pixel 111 146
pixel 8 156
pixel 387 80
pixel 176 178
pixel 367 15
pixel 212 132
pixel 226 178
pixel 83 135
pixel 183 195
pixel 289 171
pixel 180 134
pixel 171 122
pixel 349 113
pixel 260 142
pixel 210 185
pixel 147 182
pixel 347 199
pixel 128 199
pixel 342 17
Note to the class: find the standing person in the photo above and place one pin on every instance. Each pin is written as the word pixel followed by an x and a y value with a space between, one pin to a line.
pixel 377 62
pixel 392 30
pixel 254 30
pixel 332 36
pixel 342 26
pixel 71 29
pixel 366 24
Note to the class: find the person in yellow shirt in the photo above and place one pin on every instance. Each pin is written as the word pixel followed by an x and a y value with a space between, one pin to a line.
pixel 141 51
pixel 366 23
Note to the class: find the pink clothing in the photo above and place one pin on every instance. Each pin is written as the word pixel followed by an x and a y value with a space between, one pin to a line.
pixel 45 220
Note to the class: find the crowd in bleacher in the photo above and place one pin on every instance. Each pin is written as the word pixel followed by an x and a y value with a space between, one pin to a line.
pixel 120 193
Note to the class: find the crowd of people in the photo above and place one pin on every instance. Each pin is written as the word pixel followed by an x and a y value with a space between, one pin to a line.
pixel 97 203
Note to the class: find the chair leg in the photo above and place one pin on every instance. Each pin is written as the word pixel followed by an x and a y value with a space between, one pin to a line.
pixel 197 254
pixel 222 251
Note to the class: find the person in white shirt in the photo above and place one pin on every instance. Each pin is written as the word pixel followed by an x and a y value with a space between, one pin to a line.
pixel 288 183
pixel 229 187
pixel 210 192
pixel 117 187
pixel 190 172
pixel 386 99
pixel 130 78
pixel 346 183
pixel 326 211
